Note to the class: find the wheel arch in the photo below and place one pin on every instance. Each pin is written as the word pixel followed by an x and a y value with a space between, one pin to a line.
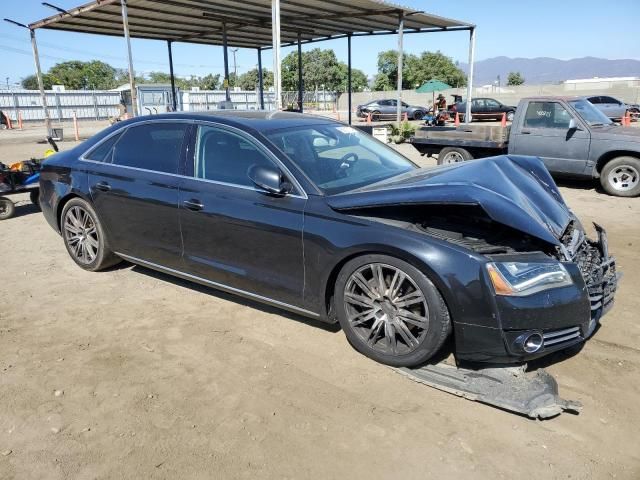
pixel 430 273
pixel 63 201
pixel 606 157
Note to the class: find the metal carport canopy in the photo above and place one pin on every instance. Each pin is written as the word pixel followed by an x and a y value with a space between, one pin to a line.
pixel 248 22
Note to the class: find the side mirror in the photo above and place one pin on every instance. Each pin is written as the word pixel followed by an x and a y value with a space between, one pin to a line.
pixel 573 125
pixel 269 179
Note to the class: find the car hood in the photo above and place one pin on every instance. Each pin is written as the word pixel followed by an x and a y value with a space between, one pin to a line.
pixel 516 191
pixel 616 132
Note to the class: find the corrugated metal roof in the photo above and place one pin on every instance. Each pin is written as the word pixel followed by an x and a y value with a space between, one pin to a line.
pixel 248 22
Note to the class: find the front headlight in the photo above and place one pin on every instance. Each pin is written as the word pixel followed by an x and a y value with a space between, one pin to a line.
pixel 520 279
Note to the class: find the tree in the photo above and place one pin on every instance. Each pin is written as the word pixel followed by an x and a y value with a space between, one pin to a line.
pixel 359 80
pixel 76 75
pixel 515 78
pixel 320 67
pixel 416 69
pixel 249 80
pixel 31 82
pixel 433 66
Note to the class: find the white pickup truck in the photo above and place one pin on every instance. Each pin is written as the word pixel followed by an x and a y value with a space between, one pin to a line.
pixel 569 134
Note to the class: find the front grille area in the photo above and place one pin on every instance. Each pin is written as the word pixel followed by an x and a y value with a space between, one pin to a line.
pixel 597 268
pixel 556 338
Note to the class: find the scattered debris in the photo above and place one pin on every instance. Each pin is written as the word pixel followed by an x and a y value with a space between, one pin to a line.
pixel 6 453
pixel 534 394
pixel 58 393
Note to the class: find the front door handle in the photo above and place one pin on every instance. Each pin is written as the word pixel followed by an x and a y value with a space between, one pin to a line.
pixel 103 186
pixel 193 205
pixel 525 132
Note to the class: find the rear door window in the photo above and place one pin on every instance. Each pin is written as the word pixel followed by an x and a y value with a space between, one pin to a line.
pixel 546 115
pixel 155 146
pixel 102 153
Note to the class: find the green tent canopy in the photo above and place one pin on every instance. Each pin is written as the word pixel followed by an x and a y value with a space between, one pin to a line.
pixel 432 86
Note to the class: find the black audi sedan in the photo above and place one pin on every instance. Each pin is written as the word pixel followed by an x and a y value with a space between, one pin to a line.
pixel 318 218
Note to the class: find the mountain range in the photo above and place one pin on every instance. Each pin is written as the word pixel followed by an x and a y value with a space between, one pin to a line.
pixel 551 70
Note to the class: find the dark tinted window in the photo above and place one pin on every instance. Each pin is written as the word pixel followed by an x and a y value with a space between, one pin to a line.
pixel 546 115
pixel 224 156
pixel 153 146
pixel 102 153
pixel 610 100
pixel 594 100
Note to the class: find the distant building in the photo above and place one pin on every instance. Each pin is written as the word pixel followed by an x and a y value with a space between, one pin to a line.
pixel 601 82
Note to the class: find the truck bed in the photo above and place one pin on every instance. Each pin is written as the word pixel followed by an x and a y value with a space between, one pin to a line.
pixel 481 136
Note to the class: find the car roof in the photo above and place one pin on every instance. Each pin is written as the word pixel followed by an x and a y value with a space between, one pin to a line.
pixel 260 120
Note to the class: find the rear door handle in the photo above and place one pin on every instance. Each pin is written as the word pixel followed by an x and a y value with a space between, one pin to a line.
pixel 193 205
pixel 525 132
pixel 104 186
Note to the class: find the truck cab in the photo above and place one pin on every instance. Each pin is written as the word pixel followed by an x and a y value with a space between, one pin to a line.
pixel 568 134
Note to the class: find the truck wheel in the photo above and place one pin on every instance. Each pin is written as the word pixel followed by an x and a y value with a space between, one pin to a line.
pixel 418 115
pixel 7 208
pixel 621 177
pixel 450 155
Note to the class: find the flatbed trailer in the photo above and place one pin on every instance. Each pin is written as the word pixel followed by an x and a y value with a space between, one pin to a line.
pixel 466 142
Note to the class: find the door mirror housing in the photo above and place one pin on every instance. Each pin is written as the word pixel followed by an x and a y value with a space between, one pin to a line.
pixel 573 125
pixel 269 179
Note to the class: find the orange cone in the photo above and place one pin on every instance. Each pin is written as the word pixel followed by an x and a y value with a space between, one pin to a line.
pixel 626 119
pixel 504 119
pixel 20 120
pixel 369 117
pixel 457 120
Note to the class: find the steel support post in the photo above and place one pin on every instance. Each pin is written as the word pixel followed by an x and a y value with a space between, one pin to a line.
pixel 472 47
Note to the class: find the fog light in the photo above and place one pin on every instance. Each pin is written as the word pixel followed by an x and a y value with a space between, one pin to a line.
pixel 532 342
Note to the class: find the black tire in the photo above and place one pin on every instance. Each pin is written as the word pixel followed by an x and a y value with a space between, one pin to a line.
pixel 428 339
pixel 104 256
pixel 418 115
pixel 375 116
pixel 449 155
pixel 510 116
pixel 7 208
pixel 621 177
pixel 34 196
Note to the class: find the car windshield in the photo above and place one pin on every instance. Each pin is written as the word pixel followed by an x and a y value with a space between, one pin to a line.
pixel 589 113
pixel 338 158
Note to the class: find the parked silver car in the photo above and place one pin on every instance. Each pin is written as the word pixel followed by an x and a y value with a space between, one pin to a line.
pixel 386 109
pixel 611 107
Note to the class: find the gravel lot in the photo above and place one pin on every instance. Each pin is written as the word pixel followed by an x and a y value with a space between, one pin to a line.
pixel 134 374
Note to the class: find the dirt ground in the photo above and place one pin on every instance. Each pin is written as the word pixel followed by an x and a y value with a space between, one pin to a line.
pixel 133 374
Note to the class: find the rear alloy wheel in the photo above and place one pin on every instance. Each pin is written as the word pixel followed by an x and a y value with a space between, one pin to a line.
pixel 451 155
pixel 621 177
pixel 7 208
pixel 390 311
pixel 84 236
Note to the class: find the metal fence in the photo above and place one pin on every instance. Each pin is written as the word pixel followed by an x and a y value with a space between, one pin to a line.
pixel 103 104
pixel 94 105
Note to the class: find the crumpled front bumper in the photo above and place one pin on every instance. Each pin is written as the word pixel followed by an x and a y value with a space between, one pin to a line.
pixel 562 317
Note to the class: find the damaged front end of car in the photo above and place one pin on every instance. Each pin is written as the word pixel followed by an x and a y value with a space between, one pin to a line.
pixel 531 282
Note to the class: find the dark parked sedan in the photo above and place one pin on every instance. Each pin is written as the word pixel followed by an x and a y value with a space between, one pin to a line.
pixel 485 109
pixel 315 217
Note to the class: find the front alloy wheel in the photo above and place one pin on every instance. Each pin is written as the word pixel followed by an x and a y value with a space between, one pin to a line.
pixel 390 311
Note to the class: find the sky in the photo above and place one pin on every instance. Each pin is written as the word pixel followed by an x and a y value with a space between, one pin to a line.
pixel 514 28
